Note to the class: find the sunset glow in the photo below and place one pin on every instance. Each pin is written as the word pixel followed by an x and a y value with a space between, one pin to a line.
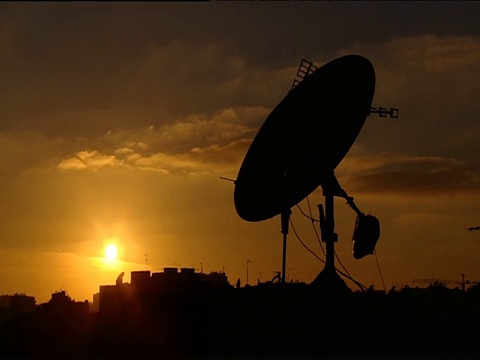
pixel 111 252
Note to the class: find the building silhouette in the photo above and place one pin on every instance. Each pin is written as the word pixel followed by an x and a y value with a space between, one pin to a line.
pixel 17 303
pixel 147 289
pixel 61 304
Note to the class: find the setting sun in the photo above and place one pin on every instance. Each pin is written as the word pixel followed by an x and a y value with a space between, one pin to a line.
pixel 111 252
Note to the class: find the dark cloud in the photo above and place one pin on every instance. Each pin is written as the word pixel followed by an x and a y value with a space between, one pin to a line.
pixel 433 81
pixel 422 182
pixel 401 175
pixel 63 62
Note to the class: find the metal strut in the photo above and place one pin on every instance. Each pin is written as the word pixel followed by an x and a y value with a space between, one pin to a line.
pixel 285 219
pixel 338 191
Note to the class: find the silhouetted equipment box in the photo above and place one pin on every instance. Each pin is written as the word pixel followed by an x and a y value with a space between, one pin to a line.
pixel 365 235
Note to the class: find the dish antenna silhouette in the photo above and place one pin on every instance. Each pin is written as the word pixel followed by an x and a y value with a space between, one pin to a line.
pixel 301 143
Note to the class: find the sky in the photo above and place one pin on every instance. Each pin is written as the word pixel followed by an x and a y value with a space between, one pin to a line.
pixel 117 121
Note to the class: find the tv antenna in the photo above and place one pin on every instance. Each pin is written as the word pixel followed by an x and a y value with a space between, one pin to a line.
pixel 299 146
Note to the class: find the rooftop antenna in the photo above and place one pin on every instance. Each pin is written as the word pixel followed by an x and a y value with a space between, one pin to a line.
pixel 119 280
pixel 299 146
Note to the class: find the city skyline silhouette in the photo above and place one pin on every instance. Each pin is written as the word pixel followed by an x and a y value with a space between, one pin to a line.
pixel 182 313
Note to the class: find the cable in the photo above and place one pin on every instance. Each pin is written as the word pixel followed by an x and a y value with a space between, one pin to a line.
pixel 318 238
pixel 309 208
pixel 361 286
pixel 306 215
pixel 380 270
pixel 301 242
pixel 344 268
pixel 312 219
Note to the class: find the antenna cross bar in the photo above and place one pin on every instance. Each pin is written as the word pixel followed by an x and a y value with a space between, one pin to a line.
pixel 383 112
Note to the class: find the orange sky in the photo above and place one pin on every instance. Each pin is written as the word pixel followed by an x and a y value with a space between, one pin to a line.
pixel 117 120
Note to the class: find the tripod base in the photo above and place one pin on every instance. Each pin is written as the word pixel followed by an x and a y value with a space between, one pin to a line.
pixel 329 282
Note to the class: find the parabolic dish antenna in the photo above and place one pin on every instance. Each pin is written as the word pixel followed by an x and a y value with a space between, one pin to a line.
pixel 299 146
pixel 304 138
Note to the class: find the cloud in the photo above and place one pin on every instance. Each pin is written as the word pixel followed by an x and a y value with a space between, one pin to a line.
pixel 407 71
pixel 214 159
pixel 198 143
pixel 408 175
pixel 386 160
pixel 162 83
pixel 89 159
pixel 20 151
pixel 410 71
pixel 197 129
pixel 186 78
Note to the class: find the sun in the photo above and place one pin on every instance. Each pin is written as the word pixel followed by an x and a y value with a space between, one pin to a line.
pixel 111 252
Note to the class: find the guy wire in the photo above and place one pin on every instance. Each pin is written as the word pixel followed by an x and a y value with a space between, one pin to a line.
pixel 379 270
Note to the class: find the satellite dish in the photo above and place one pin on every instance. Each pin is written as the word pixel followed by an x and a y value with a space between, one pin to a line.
pixel 304 138
pixel 119 280
pixel 299 146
